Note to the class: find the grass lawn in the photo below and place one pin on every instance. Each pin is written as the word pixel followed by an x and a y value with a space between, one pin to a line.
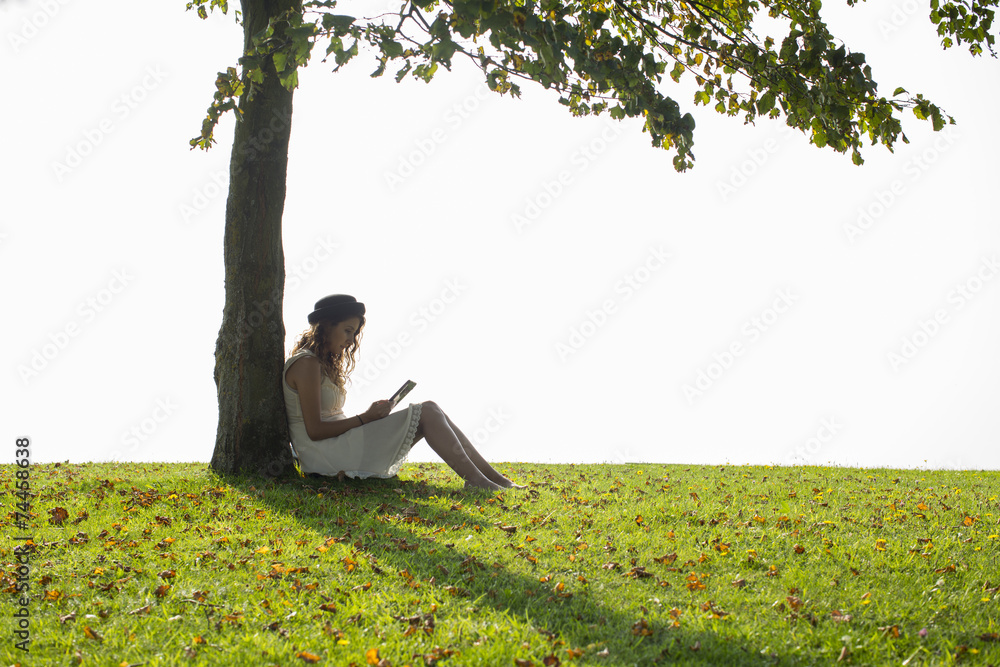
pixel 170 564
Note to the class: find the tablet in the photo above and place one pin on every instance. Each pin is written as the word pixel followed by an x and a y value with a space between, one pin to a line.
pixel 401 392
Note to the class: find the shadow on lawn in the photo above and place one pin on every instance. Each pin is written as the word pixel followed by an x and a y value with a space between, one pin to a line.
pixel 580 621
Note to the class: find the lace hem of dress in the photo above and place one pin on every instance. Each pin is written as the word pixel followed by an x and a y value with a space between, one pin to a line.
pixel 411 434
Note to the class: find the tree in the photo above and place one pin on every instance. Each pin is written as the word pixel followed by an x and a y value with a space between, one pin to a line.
pixel 600 56
pixel 252 431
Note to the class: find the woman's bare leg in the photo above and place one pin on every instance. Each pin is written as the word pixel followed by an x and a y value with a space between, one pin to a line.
pixel 435 427
pixel 489 471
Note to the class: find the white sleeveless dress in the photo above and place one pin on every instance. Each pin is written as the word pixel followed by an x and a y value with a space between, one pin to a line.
pixel 376 449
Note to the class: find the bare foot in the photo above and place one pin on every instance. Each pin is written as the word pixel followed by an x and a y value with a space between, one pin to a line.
pixel 490 486
pixel 508 484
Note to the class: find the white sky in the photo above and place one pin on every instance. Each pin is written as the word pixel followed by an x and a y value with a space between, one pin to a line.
pixel 113 267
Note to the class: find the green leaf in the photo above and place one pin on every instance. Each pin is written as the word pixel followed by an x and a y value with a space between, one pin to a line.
pixel 765 103
pixel 439 28
pixel 937 122
pixel 392 49
pixel 291 80
pixel 603 57
pixel 339 24
pixel 444 50
pixel 692 31
pixel 403 71
pixel 344 56
pixel 677 71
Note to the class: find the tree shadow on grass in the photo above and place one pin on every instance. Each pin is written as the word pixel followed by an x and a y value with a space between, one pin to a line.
pixel 400 528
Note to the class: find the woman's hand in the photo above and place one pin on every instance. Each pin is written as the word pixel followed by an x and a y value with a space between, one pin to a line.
pixel 378 410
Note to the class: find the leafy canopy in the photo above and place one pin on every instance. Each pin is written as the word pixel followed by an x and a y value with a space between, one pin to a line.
pixel 613 56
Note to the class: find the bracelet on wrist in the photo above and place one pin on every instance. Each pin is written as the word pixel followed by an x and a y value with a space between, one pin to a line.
pixel 361 420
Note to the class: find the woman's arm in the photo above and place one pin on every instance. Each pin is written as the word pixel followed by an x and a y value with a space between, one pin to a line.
pixel 305 376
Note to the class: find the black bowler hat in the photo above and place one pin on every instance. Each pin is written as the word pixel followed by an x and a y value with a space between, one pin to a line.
pixel 336 308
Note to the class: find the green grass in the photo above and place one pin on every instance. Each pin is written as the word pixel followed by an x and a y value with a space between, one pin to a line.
pixel 169 564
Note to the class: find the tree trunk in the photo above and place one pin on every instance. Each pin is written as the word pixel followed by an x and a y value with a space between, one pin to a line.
pixel 252 436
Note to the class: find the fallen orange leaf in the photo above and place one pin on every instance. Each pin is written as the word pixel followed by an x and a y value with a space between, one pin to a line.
pixel 57 515
pixel 890 630
pixel 641 628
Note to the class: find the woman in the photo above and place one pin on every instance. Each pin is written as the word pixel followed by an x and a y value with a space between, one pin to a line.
pixel 373 443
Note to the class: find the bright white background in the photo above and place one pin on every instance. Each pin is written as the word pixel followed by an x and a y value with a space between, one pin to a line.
pixel 408 196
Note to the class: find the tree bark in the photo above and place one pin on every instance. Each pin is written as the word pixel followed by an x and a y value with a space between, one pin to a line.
pixel 252 435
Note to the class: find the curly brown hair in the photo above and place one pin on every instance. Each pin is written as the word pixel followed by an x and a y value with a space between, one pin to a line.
pixel 337 367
